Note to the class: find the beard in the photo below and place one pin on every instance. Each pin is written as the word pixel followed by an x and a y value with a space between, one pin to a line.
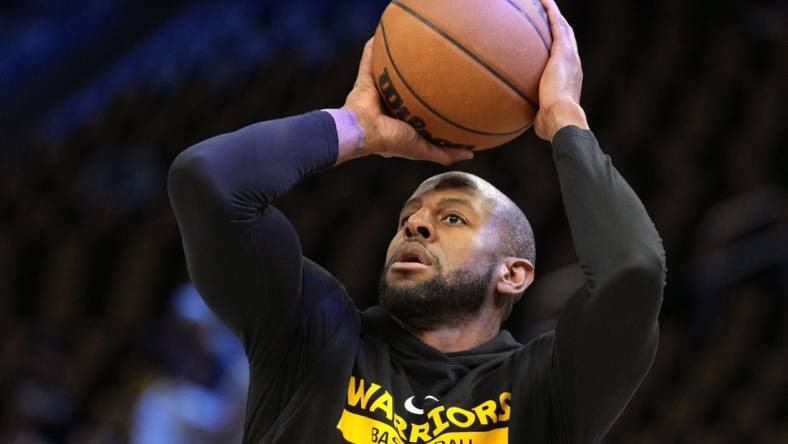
pixel 461 292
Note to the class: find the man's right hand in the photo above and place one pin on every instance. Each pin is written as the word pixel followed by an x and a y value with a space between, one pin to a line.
pixel 562 80
pixel 364 129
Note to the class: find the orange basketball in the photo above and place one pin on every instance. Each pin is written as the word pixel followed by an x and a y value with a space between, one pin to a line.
pixel 464 73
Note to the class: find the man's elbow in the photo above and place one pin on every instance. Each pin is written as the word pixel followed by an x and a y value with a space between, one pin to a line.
pixel 647 270
pixel 191 182
pixel 185 169
pixel 651 260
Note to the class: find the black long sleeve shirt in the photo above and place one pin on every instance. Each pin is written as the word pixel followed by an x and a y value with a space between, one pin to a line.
pixel 324 372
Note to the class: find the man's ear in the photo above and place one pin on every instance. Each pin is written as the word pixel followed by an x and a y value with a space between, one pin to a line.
pixel 514 276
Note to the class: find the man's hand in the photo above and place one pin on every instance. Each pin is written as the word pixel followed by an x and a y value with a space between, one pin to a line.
pixel 367 130
pixel 562 79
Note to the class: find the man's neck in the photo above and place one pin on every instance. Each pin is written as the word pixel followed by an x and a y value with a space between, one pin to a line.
pixel 454 334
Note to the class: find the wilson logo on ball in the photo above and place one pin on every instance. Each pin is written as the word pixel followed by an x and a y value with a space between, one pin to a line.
pixel 397 106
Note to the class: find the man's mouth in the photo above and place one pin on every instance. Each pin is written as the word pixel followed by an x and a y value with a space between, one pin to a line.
pixel 408 266
pixel 411 256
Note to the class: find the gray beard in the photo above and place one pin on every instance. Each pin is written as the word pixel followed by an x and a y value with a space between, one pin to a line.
pixel 461 293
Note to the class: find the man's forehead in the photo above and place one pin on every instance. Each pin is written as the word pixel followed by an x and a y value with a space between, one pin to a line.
pixel 457 187
pixel 455 195
pixel 458 180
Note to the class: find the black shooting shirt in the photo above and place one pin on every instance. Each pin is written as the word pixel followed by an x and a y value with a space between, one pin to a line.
pixel 324 372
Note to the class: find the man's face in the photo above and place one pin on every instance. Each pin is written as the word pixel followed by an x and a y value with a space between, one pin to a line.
pixel 441 260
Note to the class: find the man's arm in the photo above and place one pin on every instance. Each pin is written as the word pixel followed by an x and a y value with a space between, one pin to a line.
pixel 242 253
pixel 607 334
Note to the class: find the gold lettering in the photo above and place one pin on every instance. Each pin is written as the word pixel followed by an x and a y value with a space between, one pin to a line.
pixel 435 416
pixel 356 394
pixel 505 398
pixel 384 402
pixel 485 411
pixel 452 415
pixel 420 431
pixel 400 425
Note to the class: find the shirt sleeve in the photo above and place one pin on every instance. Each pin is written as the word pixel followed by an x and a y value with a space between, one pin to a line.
pixel 242 254
pixel 606 337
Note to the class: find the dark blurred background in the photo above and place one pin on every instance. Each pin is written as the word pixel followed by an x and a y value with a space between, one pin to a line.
pixel 102 339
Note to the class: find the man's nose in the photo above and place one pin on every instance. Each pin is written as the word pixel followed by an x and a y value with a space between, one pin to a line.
pixel 418 224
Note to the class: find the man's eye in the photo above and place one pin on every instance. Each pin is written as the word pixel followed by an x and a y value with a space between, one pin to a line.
pixel 454 219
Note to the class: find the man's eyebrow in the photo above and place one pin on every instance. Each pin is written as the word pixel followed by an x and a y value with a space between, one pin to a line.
pixel 445 201
pixel 456 200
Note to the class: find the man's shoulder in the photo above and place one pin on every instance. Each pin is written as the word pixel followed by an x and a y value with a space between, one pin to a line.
pixel 541 340
pixel 318 279
pixel 539 348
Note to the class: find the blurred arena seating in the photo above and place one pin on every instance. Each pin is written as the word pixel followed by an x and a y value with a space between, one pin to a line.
pixel 688 98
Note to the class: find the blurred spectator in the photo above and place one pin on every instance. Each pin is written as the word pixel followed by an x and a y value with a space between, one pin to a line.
pixel 191 402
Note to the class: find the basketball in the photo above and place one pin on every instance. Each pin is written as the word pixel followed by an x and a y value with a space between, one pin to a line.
pixel 464 73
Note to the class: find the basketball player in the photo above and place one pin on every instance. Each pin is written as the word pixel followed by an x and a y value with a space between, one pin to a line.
pixel 430 364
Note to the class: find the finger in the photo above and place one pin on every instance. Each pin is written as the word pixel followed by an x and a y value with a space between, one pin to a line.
pixel 562 32
pixel 569 34
pixel 365 65
pixel 458 154
pixel 416 146
pixel 559 28
pixel 402 140
pixel 444 156
pixel 553 14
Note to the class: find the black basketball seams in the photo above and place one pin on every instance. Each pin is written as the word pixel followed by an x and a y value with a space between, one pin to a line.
pixel 531 22
pixel 427 105
pixel 475 57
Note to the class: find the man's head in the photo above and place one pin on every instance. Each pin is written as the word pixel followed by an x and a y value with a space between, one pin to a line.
pixel 461 245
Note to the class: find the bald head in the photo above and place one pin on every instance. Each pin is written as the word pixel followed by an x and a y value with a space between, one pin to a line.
pixel 517 238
